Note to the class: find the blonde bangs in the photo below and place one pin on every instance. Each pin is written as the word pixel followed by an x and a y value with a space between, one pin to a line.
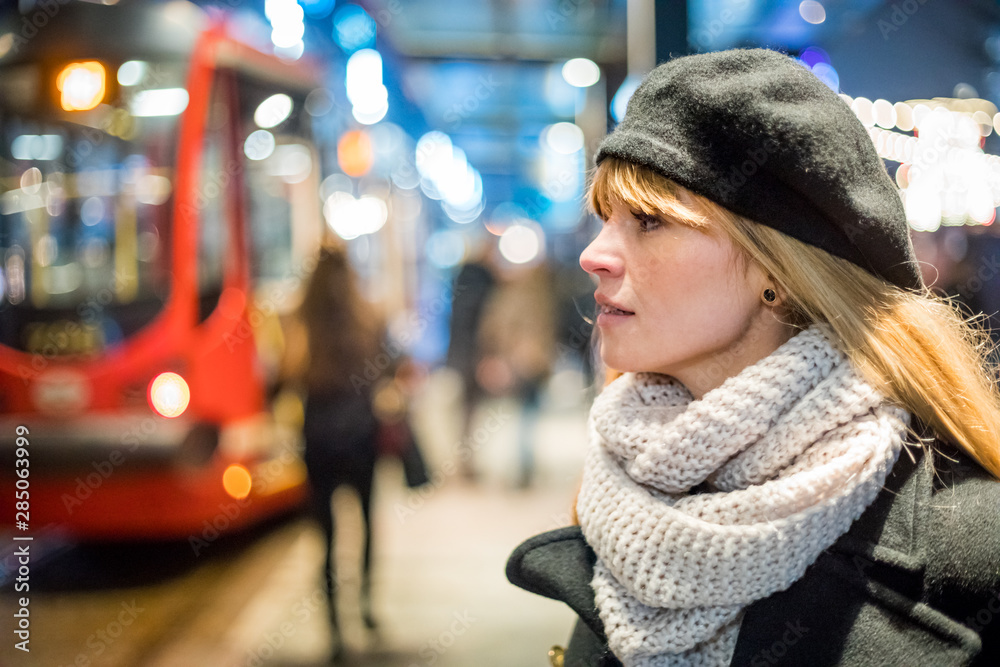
pixel 641 189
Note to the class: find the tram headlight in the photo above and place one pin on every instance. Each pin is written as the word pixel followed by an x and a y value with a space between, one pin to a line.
pixel 169 395
pixel 82 85
pixel 236 480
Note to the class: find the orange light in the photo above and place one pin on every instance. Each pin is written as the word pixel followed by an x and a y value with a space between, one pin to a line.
pixel 354 153
pixel 82 85
pixel 236 481
pixel 169 395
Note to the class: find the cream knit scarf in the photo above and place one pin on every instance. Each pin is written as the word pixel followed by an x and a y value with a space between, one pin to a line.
pixel 790 452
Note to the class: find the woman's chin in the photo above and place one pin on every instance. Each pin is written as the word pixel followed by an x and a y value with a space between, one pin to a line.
pixel 616 360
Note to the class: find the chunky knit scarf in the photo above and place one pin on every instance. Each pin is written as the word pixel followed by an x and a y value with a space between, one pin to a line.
pixel 785 456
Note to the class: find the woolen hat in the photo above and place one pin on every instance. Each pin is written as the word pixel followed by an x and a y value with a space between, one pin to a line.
pixel 760 134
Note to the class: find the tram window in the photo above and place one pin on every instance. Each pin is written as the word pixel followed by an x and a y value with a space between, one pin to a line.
pixel 281 178
pixel 213 212
pixel 85 200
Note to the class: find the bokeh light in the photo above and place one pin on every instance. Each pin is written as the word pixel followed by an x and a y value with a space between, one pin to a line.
pixel 581 72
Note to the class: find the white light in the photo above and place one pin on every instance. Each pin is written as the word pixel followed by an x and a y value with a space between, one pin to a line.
pixel 286 35
pixel 159 102
pixel 31 180
pixel 370 99
pixel 433 153
pixel 131 72
pixel 467 193
pixel 463 216
pixel 904 116
pixel 273 9
pixel 291 53
pixel 152 190
pixel 581 72
pixel 335 183
pixel 864 110
pixel 351 218
pixel 564 138
pixel 169 395
pixel 283 12
pixel 373 213
pixel 273 110
pixel 92 211
pixel 364 76
pixel 370 116
pixel 980 206
pixel 36 147
pixel 291 163
pixel 923 209
pixel 519 244
pixel 259 145
pixel 812 11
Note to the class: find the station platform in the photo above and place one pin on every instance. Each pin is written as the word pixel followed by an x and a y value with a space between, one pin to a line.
pixel 439 591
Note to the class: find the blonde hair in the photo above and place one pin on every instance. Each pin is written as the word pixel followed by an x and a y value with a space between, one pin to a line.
pixel 917 348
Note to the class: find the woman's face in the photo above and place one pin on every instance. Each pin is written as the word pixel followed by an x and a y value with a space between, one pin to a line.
pixel 674 299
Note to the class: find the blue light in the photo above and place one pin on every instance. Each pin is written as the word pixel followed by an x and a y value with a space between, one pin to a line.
pixel 353 28
pixel 620 101
pixel 317 9
pixel 828 75
pixel 814 55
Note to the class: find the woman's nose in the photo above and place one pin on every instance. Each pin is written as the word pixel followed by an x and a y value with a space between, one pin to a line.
pixel 603 257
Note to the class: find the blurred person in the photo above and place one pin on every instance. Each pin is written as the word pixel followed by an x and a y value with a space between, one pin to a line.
pixel 517 342
pixel 472 287
pixel 799 462
pixel 334 339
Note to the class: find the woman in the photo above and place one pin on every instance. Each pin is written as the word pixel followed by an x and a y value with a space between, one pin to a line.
pixel 340 336
pixel 799 464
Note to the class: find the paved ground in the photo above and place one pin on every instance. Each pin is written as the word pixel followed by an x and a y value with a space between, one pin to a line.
pixel 439 587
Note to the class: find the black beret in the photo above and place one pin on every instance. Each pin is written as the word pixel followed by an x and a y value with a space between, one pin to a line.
pixel 760 134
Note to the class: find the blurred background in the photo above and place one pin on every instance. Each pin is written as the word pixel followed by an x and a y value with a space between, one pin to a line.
pixel 291 287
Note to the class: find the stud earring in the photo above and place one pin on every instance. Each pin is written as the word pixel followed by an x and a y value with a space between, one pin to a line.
pixel 769 295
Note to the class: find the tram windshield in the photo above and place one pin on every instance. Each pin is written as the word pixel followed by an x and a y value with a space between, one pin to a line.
pixel 87 152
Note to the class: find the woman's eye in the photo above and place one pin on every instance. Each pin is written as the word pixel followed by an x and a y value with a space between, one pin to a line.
pixel 647 223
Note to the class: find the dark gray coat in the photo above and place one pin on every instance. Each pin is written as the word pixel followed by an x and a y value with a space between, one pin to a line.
pixel 916 580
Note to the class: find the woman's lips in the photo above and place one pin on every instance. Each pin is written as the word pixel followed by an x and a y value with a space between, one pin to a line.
pixel 609 315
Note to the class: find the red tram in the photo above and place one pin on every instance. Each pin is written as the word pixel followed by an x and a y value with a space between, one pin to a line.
pixel 158 200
